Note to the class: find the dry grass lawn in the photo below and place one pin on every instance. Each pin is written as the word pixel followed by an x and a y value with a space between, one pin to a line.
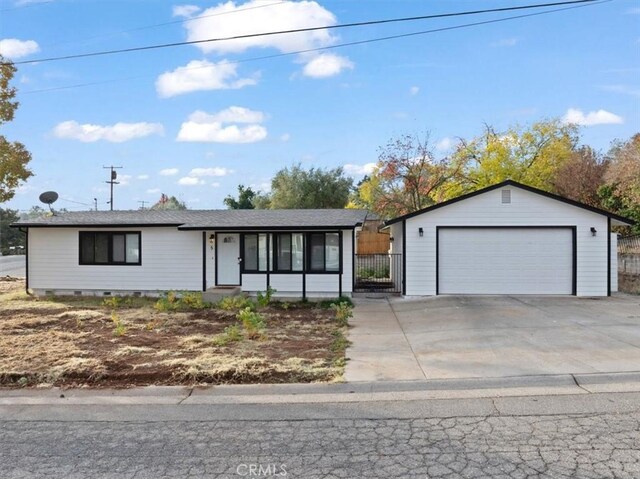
pixel 76 341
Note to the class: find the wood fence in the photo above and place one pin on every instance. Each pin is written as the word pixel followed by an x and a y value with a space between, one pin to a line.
pixel 372 242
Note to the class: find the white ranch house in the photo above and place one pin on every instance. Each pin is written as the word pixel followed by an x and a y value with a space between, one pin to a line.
pixel 299 253
pixel 505 239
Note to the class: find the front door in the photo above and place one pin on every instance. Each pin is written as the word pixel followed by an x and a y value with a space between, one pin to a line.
pixel 228 258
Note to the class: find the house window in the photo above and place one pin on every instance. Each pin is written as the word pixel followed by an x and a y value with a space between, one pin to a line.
pixel 110 248
pixel 255 253
pixel 324 252
pixel 289 252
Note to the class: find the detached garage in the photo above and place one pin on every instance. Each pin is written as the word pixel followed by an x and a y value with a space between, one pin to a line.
pixel 507 239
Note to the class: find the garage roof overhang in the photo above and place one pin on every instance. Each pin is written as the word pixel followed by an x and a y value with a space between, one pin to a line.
pixel 616 220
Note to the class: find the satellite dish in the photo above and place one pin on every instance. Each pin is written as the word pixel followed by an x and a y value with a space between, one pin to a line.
pixel 48 198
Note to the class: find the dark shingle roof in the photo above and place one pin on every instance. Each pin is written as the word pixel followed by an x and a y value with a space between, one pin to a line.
pixel 205 219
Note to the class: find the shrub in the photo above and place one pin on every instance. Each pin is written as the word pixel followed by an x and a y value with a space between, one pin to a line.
pixel 171 301
pixel 119 328
pixel 339 343
pixel 265 299
pixel 114 302
pixel 192 301
pixel 329 303
pixel 252 322
pixel 231 334
pixel 234 303
pixel 343 311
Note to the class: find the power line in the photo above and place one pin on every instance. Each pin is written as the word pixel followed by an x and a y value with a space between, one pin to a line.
pixel 164 24
pixel 301 30
pixel 330 47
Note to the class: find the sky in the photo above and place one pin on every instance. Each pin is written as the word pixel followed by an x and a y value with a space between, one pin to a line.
pixel 195 121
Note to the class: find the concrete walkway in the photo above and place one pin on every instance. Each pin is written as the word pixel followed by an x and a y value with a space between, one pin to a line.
pixel 380 349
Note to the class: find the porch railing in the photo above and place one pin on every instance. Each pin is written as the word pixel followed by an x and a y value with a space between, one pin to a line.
pixel 379 273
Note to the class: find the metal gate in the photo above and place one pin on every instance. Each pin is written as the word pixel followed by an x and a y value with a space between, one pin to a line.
pixel 378 273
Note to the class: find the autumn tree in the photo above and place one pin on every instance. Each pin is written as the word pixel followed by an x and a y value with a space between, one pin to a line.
pixel 14 157
pixel 621 192
pixel 581 177
pixel 407 178
pixel 529 155
pixel 296 187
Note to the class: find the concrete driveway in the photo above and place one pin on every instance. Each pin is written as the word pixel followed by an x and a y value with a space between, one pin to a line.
pixel 492 336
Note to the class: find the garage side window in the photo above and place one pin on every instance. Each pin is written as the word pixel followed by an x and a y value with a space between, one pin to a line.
pixel 254 258
pixel 110 248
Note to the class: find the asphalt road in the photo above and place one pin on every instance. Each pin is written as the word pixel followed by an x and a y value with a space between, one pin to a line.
pixel 590 436
pixel 13 266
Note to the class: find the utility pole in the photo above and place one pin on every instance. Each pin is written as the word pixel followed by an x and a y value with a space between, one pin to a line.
pixel 112 181
pixel 95 203
pixel 142 203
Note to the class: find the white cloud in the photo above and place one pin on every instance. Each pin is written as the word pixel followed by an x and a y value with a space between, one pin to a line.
pixel 200 75
pixel 624 89
pixel 215 184
pixel 124 180
pixel 142 177
pixel 505 42
pixel 205 127
pixel 190 181
pixel 359 170
pixel 185 10
pixel 215 171
pixel 13 48
pixel 230 19
pixel 169 172
pixel 414 90
pixel 326 65
pixel 599 117
pixel 118 133
pixel 153 191
pixel 233 114
pixel 285 137
pixel 445 144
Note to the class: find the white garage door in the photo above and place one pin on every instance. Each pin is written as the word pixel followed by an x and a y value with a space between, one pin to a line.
pixel 505 261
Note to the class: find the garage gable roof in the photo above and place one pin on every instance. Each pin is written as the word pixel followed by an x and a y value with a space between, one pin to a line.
pixel 621 219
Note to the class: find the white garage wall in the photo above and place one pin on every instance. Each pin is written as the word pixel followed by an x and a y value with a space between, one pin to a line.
pixel 171 260
pixel 525 209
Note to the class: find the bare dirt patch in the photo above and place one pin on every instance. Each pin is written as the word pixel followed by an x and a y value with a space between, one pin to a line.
pixel 76 342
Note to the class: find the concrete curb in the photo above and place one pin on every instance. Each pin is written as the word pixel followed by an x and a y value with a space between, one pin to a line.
pixel 581 384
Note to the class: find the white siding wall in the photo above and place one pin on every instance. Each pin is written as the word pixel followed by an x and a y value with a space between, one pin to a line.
pixel 525 209
pixel 171 260
pixel 286 283
pixel 614 262
pixel 254 282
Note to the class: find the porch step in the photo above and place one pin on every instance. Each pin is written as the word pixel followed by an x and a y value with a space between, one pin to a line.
pixel 373 294
pixel 213 295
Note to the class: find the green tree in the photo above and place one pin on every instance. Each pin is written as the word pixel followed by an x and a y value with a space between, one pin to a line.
pixel 529 155
pixel 244 201
pixel 296 187
pixel 407 178
pixel 9 236
pixel 14 157
pixel 169 203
